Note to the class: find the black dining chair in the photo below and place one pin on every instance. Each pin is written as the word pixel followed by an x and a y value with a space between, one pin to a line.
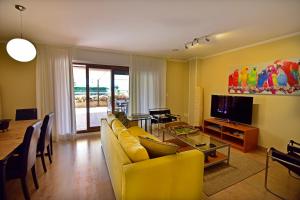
pixel 26 114
pixel 24 160
pixel 45 139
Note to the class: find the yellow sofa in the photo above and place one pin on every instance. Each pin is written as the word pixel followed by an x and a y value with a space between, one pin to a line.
pixel 178 176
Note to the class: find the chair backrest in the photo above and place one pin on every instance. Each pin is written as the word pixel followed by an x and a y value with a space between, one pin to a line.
pixel 46 131
pixel 159 111
pixel 29 146
pixel 26 114
pixel 291 162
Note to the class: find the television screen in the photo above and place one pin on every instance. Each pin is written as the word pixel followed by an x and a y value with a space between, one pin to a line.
pixel 233 108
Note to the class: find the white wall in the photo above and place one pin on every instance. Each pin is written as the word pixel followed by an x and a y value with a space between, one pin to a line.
pixel 100 57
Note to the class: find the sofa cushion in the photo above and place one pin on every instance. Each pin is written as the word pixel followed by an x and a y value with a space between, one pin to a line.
pixel 117 126
pixel 138 131
pixel 157 148
pixel 131 145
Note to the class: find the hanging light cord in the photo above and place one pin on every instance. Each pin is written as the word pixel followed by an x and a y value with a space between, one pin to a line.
pixel 21 9
pixel 21 23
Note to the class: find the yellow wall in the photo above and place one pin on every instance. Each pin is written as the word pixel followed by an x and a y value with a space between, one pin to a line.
pixel 277 117
pixel 177 87
pixel 17 84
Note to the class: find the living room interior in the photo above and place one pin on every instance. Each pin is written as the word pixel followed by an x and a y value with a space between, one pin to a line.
pixel 111 70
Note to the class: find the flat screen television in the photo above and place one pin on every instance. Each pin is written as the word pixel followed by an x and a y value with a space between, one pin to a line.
pixel 232 108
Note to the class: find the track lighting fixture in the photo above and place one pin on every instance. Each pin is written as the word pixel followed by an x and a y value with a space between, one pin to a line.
pixel 198 41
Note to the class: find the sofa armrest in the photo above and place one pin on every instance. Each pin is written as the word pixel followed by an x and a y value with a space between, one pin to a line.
pixel 178 176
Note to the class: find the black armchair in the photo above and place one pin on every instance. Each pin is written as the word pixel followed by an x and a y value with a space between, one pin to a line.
pixel 161 116
pixel 290 160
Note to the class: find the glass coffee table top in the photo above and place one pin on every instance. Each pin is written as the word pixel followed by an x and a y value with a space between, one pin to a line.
pixel 201 141
pixel 215 151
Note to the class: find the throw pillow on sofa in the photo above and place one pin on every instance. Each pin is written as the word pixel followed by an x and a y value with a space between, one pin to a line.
pixel 157 148
pixel 134 150
pixel 137 131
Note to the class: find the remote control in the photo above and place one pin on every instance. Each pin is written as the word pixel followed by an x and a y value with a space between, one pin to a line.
pixel 200 144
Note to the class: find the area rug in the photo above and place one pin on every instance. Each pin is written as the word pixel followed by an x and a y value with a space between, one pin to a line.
pixel 221 176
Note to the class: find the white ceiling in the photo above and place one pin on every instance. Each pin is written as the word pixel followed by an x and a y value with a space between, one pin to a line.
pixel 151 27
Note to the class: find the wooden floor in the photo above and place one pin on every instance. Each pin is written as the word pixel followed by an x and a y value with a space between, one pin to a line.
pixel 79 171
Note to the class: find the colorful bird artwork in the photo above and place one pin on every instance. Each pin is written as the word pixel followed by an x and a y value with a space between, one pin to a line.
pixel 282 77
pixel 244 77
pixel 235 78
pixel 262 79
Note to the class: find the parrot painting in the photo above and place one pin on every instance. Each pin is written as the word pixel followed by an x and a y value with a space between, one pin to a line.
pixel 272 76
pixel 287 68
pixel 252 78
pixel 244 77
pixel 281 78
pixel 235 78
pixel 230 82
pixel 274 79
pixel 295 73
pixel 262 79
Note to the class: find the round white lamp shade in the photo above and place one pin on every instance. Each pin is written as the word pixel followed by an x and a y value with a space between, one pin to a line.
pixel 21 50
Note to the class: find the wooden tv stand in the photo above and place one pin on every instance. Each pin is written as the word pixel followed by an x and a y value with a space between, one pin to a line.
pixel 242 137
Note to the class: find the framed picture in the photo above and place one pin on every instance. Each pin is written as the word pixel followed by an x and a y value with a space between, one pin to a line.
pixel 278 78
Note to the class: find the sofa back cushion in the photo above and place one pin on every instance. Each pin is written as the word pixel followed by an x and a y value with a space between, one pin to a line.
pixel 117 126
pixel 131 145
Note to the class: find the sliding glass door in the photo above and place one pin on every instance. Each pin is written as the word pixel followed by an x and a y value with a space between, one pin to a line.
pixel 98 90
pixel 121 92
pixel 99 87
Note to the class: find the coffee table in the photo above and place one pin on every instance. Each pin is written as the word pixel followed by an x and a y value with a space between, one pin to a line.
pixel 215 151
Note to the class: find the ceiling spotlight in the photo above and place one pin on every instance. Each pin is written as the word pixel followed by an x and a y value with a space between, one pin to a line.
pixel 207 39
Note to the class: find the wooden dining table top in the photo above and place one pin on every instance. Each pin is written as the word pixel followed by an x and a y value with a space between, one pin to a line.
pixel 11 139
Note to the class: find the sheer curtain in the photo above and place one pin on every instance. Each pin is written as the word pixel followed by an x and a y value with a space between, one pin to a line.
pixel 147 84
pixel 54 91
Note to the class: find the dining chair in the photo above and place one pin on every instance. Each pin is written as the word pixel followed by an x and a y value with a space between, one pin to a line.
pixel 26 114
pixel 19 164
pixel 45 139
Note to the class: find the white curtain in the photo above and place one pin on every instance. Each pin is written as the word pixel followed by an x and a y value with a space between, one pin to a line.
pixel 54 88
pixel 147 84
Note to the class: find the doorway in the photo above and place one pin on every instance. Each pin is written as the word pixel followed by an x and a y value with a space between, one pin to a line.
pixel 98 90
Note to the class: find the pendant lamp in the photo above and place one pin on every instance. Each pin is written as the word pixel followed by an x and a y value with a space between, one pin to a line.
pixel 21 49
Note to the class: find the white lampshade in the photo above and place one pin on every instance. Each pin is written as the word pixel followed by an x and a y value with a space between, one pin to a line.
pixel 21 50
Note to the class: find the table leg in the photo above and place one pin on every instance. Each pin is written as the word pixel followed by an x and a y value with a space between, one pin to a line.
pixel 146 125
pixel 228 155
pixel 2 179
pixel 51 144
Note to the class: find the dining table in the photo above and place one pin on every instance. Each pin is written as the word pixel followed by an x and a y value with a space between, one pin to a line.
pixel 9 141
